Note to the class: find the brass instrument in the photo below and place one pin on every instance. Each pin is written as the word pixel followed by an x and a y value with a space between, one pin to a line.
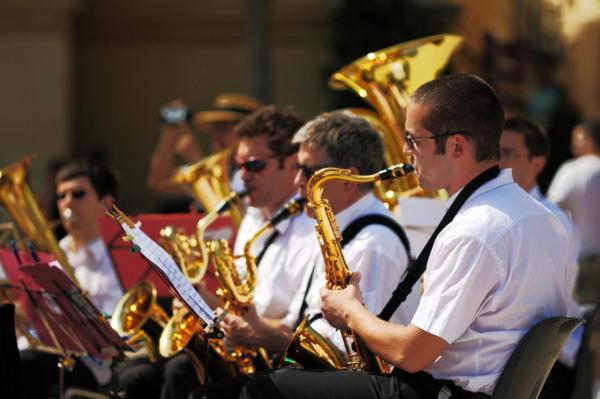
pixel 191 252
pixel 208 182
pixel 21 203
pixel 307 347
pixel 386 79
pixel 237 292
pixel 139 317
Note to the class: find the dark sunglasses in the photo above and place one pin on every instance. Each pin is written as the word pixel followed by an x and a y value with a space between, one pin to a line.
pixel 308 171
pixel 254 165
pixel 75 194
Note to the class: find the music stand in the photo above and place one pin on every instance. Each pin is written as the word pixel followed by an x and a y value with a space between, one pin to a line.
pixel 132 268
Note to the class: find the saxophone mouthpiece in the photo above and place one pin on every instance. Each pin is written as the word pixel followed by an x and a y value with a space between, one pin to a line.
pixel 234 196
pixel 395 171
pixel 292 207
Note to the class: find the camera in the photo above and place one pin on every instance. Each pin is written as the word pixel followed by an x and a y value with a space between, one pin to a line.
pixel 175 115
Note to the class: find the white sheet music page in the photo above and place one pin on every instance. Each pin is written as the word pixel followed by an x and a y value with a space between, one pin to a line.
pixel 168 268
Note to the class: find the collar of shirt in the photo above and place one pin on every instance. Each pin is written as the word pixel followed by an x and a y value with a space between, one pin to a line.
pixel 504 178
pixel 536 193
pixel 345 217
pixel 94 249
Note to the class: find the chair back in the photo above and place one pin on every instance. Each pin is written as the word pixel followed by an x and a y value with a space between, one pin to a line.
pixel 529 365
pixel 10 362
pixel 584 361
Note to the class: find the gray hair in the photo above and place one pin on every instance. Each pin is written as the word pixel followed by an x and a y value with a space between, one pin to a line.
pixel 348 140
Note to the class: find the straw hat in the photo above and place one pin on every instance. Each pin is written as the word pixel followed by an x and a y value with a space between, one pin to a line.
pixel 229 107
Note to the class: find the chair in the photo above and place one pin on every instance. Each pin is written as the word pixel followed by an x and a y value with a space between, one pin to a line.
pixel 529 365
pixel 584 361
pixel 10 362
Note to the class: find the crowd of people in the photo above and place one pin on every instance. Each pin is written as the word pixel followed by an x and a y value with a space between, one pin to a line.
pixel 503 258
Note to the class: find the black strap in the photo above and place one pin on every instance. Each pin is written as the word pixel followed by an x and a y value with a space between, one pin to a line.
pixel 349 233
pixel 304 302
pixel 418 267
pixel 269 241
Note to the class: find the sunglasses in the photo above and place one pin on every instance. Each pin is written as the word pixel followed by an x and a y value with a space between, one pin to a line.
pixel 308 171
pixel 75 194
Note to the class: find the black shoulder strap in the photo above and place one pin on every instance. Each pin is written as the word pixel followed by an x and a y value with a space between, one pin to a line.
pixel 418 267
pixel 269 241
pixel 349 233
pixel 358 224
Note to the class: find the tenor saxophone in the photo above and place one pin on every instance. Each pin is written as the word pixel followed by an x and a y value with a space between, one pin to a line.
pixel 337 275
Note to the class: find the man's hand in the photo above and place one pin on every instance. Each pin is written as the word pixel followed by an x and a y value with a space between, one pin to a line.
pixel 336 305
pixel 242 331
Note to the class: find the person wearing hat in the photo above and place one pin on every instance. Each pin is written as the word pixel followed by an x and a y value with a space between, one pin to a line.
pixel 177 137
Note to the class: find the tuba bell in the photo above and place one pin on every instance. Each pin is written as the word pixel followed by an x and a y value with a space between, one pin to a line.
pixel 386 79
pixel 208 182
pixel 17 197
pixel 138 317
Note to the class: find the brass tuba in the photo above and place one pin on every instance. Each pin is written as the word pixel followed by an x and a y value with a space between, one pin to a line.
pixel 191 252
pixel 386 79
pixel 307 347
pixel 208 181
pixel 21 203
pixel 138 317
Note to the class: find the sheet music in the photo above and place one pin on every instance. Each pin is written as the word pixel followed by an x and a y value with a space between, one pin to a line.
pixel 169 269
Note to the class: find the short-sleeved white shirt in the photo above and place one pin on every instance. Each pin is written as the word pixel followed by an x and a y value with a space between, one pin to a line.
pixel 286 263
pixel 380 257
pixel 497 269
pixel 576 188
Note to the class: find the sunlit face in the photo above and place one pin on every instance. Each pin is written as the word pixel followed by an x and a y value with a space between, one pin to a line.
pixel 310 159
pixel 270 179
pixel 515 155
pixel 78 204
pixel 578 141
pixel 433 169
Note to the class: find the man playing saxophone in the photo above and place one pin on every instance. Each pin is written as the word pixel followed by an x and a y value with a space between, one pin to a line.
pixel 266 158
pixel 342 140
pixel 495 268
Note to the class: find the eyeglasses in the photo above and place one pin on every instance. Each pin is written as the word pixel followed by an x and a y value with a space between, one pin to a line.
pixel 75 194
pixel 308 171
pixel 254 165
pixel 412 141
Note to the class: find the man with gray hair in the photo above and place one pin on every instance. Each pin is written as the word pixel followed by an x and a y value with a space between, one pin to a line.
pixel 374 244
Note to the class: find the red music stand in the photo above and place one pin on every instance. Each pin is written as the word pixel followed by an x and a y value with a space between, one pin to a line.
pixel 132 268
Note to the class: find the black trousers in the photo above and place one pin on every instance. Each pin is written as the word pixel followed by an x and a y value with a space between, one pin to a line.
pixel 324 384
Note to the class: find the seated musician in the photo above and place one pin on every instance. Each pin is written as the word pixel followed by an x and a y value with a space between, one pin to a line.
pixel 267 161
pixel 525 147
pixel 377 251
pixel 484 286
pixel 81 187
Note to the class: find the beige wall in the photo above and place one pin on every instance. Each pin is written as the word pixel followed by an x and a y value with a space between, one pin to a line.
pixel 35 72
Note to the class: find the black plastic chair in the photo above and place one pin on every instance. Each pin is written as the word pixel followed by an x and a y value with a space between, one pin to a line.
pixel 10 362
pixel 584 361
pixel 529 365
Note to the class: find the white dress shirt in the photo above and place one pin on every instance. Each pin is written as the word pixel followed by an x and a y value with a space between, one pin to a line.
pixel 497 269
pixel 95 272
pixel 380 257
pixel 576 188
pixel 285 266
pixel 97 276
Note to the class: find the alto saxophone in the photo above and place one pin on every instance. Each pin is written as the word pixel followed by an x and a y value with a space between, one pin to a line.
pixel 191 252
pixel 337 273
pixel 236 292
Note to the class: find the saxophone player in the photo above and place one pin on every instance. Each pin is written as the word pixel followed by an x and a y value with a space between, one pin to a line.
pixel 266 159
pixel 377 251
pixel 484 286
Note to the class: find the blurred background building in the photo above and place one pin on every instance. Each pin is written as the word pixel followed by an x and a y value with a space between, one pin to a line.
pixel 86 77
